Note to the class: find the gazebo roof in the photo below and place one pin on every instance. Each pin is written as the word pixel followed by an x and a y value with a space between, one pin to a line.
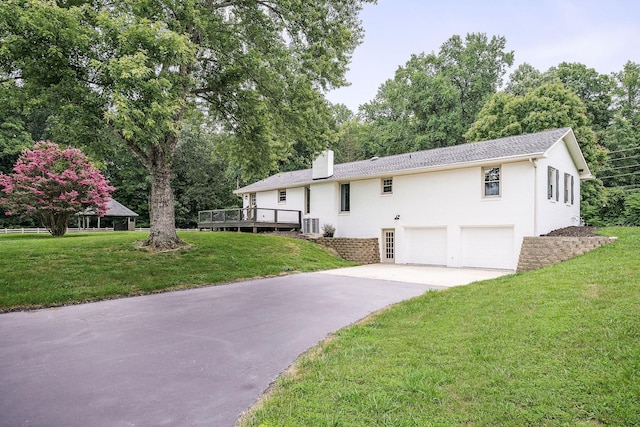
pixel 114 209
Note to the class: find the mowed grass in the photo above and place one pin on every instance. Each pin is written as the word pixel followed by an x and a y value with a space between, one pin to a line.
pixel 42 271
pixel 554 347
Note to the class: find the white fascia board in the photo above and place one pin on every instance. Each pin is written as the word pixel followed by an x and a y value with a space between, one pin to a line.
pixel 572 145
pixel 453 166
pixel 412 171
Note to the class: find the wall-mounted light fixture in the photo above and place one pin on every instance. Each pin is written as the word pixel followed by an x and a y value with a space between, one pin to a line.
pixel 397 217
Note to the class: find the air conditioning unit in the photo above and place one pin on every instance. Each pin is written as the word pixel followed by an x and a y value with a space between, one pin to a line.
pixel 311 225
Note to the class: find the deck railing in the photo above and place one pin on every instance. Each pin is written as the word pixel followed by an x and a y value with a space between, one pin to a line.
pixel 249 216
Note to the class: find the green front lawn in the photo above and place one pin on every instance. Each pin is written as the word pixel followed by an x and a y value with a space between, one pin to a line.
pixel 557 346
pixel 42 271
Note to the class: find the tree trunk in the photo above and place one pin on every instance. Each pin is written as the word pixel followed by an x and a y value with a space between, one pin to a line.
pixel 161 210
pixel 58 224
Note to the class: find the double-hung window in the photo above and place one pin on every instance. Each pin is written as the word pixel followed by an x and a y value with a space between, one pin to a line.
pixel 387 186
pixel 282 196
pixel 491 181
pixel 345 197
pixel 553 184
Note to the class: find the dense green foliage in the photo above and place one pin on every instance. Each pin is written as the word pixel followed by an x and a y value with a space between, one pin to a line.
pixel 39 271
pixel 239 85
pixel 134 70
pixel 434 98
pixel 557 346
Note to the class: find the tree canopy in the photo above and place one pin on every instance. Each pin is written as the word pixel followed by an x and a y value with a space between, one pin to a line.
pixel 50 184
pixel 137 68
pixel 434 98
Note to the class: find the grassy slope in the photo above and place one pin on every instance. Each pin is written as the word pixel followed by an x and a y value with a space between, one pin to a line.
pixel 557 346
pixel 39 271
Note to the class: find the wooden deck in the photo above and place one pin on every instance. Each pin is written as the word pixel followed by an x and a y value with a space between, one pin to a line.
pixel 250 219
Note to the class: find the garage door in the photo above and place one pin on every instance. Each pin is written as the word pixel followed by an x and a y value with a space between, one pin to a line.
pixel 488 247
pixel 426 246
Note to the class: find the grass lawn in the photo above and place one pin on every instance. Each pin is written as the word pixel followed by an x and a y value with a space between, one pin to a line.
pixel 42 271
pixel 557 346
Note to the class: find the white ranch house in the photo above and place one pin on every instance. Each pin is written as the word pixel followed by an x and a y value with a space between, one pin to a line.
pixel 468 205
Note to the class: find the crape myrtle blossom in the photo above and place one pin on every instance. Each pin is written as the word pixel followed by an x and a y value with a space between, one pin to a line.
pixel 51 183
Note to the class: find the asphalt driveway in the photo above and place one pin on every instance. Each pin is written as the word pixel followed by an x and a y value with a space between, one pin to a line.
pixel 190 358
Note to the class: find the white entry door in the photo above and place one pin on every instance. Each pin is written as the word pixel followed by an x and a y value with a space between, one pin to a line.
pixel 389 246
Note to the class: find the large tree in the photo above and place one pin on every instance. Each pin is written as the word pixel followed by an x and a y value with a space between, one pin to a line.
pixel 433 99
pixel 593 89
pixel 258 67
pixel 51 184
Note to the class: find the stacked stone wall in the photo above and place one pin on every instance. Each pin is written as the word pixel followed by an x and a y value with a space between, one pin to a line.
pixel 538 252
pixel 362 251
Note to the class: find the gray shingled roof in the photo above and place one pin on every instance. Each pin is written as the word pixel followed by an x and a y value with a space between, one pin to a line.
pixel 114 209
pixel 535 144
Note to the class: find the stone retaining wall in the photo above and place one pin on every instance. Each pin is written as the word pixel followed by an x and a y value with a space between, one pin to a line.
pixel 362 251
pixel 538 252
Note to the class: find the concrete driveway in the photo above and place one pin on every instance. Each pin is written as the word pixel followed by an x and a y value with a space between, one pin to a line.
pixel 191 358
pixel 443 277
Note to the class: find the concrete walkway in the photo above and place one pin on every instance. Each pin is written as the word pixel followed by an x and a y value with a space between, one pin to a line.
pixel 443 277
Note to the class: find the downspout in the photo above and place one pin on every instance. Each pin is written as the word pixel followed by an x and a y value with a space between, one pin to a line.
pixel 535 196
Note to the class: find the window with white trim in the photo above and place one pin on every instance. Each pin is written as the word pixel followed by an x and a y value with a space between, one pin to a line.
pixel 345 197
pixel 387 186
pixel 491 181
pixel 553 184
pixel 282 196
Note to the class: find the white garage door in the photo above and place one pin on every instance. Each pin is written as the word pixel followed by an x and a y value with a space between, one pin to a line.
pixel 488 247
pixel 426 246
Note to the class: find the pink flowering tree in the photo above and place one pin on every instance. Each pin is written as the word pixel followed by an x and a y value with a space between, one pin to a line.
pixel 50 184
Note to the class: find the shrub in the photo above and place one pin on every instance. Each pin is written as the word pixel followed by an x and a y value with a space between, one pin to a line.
pixel 632 209
pixel 328 230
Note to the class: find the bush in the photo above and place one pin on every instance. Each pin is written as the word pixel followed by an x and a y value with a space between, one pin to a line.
pixel 632 209
pixel 328 230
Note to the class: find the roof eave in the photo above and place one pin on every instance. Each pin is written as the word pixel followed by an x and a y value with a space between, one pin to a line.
pixel 410 171
pixel 572 145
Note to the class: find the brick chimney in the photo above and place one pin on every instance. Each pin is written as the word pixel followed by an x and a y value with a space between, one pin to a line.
pixel 323 165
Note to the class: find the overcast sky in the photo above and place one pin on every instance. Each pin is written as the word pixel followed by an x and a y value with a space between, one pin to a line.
pixel 602 34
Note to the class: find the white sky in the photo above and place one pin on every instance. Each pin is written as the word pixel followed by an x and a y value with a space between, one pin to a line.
pixel 602 34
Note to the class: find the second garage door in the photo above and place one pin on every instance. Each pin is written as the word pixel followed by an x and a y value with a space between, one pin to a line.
pixel 426 246
pixel 488 247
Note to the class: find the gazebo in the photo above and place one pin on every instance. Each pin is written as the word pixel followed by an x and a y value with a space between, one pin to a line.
pixel 115 210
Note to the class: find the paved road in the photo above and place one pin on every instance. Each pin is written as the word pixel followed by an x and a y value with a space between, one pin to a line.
pixel 190 358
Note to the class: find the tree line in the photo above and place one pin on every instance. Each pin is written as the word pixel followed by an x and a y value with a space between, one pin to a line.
pixel 179 103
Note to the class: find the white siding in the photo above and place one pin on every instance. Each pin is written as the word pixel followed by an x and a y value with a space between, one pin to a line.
pixel 444 201
pixel 442 217
pixel 324 203
pixel 552 214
